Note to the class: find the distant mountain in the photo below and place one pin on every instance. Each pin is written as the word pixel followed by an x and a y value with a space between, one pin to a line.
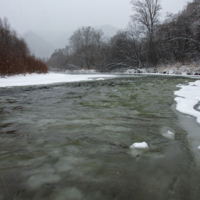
pixel 43 43
pixel 108 30
pixel 60 39
pixel 63 40
pixel 38 46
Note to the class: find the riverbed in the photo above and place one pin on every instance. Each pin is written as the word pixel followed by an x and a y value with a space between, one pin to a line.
pixel 71 141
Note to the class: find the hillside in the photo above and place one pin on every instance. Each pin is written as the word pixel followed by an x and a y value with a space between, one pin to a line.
pixel 38 46
pixel 43 43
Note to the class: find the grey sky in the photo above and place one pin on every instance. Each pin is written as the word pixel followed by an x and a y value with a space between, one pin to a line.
pixel 65 15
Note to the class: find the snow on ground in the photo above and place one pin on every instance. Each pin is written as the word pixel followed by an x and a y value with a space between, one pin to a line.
pixel 189 96
pixel 40 79
pixel 82 71
pixel 173 69
pixel 100 79
pixel 141 145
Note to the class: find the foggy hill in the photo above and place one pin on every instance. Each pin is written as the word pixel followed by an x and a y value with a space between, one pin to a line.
pixel 60 39
pixel 108 30
pixel 38 46
pixel 43 43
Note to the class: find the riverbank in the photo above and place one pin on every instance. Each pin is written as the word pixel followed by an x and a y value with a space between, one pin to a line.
pixel 188 98
pixel 168 69
pixel 49 78
pixel 171 69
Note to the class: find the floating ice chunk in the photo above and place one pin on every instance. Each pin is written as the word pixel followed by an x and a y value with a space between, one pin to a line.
pixel 139 148
pixel 169 134
pixel 141 145
pixel 199 147
pixel 100 79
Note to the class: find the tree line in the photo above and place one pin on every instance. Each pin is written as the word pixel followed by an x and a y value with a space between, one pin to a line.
pixel 146 42
pixel 15 56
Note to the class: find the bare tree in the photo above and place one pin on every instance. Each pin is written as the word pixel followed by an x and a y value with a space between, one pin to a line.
pixel 86 43
pixel 146 15
pixel 126 50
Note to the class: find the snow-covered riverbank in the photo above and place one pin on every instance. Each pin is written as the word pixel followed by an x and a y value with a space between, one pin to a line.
pixel 175 69
pixel 187 103
pixel 50 78
pixel 189 96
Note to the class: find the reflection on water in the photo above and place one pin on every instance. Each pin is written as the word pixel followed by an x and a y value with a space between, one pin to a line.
pixel 71 141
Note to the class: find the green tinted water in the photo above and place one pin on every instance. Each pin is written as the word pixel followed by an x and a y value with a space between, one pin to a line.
pixel 71 141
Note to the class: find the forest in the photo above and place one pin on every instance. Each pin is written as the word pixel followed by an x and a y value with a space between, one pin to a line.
pixel 15 56
pixel 146 42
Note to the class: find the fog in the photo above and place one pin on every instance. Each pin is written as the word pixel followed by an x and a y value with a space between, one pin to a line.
pixel 67 15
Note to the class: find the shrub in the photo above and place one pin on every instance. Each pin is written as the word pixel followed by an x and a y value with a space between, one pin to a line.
pixel 15 57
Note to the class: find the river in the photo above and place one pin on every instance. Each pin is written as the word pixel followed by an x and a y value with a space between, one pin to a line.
pixel 71 141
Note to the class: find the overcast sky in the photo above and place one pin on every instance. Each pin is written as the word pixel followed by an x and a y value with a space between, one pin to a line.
pixel 67 15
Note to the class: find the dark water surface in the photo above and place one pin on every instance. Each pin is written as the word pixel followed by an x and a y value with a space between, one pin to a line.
pixel 71 141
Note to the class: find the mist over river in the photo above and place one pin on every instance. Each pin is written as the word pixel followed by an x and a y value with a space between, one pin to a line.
pixel 70 141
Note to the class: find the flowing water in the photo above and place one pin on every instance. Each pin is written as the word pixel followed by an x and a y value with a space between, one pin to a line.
pixel 71 141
